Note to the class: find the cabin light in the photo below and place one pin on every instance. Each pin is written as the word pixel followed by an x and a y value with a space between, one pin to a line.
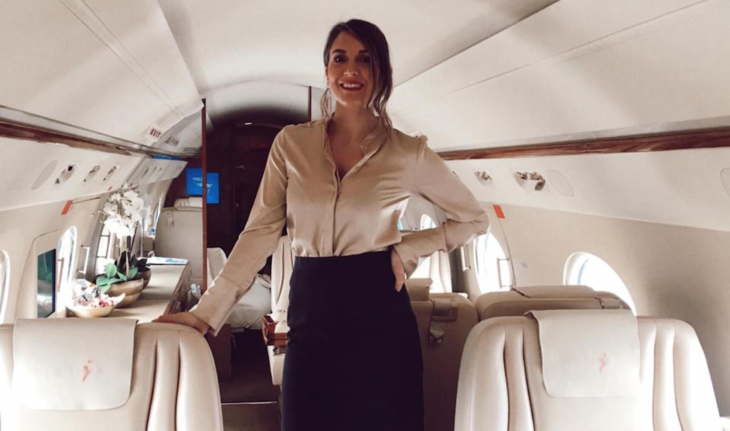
pixel 483 176
pixel 533 176
pixel 247 124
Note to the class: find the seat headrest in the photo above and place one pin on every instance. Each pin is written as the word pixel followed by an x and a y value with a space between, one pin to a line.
pixel 558 291
pixel 419 289
pixel 73 364
pixel 189 202
pixel 589 353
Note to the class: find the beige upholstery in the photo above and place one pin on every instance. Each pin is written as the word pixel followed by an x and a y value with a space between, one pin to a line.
pixel 193 201
pixel 216 259
pixel 180 234
pixel 441 359
pixel 282 265
pixel 520 300
pixel 501 385
pixel 173 387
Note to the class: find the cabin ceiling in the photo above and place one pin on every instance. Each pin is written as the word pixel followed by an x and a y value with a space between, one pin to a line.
pixel 227 42
pixel 487 73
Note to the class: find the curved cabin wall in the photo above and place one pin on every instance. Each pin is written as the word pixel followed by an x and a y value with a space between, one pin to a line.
pixel 32 202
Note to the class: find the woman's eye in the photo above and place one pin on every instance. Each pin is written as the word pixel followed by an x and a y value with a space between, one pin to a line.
pixel 339 58
pixel 365 59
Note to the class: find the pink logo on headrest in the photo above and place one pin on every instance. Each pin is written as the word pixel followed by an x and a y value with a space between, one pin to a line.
pixel 604 361
pixel 87 371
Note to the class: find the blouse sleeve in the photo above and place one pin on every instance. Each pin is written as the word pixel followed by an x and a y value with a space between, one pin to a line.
pixel 257 242
pixel 466 219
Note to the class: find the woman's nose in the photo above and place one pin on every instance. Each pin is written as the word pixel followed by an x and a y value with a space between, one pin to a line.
pixel 352 69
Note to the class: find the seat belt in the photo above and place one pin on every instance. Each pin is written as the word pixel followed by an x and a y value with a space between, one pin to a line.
pixel 444 310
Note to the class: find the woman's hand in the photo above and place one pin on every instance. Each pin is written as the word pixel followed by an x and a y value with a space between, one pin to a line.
pixel 187 319
pixel 398 270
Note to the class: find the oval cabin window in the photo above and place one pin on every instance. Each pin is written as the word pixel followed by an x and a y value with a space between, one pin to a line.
pixel 592 271
pixel 424 269
pixel 4 281
pixel 493 269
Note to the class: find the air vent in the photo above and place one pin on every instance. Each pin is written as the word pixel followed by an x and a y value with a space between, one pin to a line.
pixel 65 175
pixel 92 173
pixel 111 173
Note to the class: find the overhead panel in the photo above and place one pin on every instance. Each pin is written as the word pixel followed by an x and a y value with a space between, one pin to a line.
pixel 576 68
pixel 110 67
pixel 683 188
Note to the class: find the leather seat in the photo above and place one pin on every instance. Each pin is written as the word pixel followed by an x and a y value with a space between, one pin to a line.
pixel 282 266
pixel 520 300
pixel 79 374
pixel 505 383
pixel 444 321
pixel 180 234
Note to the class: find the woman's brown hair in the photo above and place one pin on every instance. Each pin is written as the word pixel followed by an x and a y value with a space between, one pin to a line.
pixel 374 41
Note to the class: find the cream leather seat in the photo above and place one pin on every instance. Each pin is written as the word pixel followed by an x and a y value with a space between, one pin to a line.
pixel 79 374
pixel 282 266
pixel 520 300
pixel 584 370
pixel 179 233
pixel 444 321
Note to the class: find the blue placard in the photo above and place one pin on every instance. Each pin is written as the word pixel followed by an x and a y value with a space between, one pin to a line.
pixel 194 179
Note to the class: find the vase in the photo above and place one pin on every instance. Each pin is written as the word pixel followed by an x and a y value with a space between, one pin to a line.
pixel 131 290
pixel 146 276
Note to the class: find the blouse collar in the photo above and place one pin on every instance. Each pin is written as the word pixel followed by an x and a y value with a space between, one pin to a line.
pixel 372 142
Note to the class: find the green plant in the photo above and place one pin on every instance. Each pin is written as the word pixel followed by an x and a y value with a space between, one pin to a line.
pixel 140 264
pixel 113 275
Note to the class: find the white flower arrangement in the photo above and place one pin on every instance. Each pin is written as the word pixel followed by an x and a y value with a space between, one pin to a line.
pixel 123 210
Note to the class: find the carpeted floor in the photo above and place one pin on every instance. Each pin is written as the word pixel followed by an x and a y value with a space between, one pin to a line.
pixel 251 378
pixel 250 400
pixel 251 417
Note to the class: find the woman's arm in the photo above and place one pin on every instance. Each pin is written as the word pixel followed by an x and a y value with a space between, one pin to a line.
pixel 466 219
pixel 257 242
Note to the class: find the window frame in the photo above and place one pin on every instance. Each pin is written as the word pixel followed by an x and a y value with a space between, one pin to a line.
pixel 574 271
pixel 5 273
pixel 502 266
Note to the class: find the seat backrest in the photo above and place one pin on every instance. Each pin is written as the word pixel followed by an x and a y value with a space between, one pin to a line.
pixel 179 233
pixel 193 201
pixel 216 260
pixel 504 384
pixel 444 321
pixel 282 266
pixel 164 379
pixel 520 300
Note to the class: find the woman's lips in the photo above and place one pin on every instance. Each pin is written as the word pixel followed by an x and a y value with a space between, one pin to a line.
pixel 352 86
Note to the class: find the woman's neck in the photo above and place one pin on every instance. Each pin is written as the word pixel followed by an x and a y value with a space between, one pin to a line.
pixel 352 125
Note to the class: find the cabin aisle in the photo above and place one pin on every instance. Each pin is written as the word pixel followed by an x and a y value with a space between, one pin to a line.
pixel 250 400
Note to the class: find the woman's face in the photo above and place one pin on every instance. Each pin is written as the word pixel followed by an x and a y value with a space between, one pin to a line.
pixel 349 74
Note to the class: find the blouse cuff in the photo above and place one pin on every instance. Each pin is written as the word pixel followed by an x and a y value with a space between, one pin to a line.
pixel 217 303
pixel 408 256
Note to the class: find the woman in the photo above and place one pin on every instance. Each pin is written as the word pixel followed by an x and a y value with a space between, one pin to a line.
pixel 353 358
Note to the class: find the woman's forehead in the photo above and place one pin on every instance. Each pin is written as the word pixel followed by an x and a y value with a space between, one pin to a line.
pixel 348 43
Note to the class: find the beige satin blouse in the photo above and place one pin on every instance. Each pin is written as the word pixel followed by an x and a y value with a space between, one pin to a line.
pixel 330 216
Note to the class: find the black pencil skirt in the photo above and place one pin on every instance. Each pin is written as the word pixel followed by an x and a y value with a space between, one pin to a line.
pixel 353 358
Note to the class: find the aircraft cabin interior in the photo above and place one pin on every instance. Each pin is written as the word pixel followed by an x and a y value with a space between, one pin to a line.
pixel 595 134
